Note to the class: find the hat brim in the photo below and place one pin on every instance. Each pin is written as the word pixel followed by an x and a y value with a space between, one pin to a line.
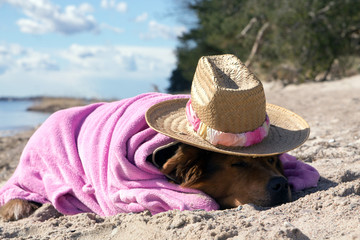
pixel 287 131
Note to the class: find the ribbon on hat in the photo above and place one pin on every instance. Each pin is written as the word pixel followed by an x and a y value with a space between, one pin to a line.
pixel 216 137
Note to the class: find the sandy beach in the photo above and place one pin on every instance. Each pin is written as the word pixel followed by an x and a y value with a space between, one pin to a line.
pixel 329 211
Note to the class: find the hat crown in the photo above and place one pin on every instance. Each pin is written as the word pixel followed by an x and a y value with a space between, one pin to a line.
pixel 226 96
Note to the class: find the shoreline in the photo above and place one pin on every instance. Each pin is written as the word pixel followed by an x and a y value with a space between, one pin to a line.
pixel 14 132
pixel 51 105
pixel 47 104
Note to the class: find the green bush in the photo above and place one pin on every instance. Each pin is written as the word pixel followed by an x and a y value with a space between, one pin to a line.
pixel 290 40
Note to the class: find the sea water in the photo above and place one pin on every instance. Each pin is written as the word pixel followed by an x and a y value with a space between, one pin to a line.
pixel 15 118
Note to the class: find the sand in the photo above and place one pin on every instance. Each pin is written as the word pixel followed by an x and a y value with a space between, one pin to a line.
pixel 329 211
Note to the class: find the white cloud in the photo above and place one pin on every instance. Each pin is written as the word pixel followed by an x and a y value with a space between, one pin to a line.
pixel 35 61
pixel 44 17
pixel 105 3
pixel 15 57
pixel 84 57
pixel 121 7
pixel 89 71
pixel 158 30
pixel 141 18
pixel 132 59
pixel 118 6
pixel 6 55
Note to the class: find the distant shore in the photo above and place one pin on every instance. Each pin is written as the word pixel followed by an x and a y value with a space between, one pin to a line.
pixel 52 104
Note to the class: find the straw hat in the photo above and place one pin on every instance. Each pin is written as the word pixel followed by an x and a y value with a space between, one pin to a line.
pixel 228 113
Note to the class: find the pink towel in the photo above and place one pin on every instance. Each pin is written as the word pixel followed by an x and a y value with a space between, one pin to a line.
pixel 299 174
pixel 93 159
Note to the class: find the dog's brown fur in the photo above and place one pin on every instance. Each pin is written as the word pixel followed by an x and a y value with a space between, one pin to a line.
pixel 230 180
pixel 17 209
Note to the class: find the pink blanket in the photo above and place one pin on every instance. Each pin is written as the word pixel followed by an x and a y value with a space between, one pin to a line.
pixel 93 159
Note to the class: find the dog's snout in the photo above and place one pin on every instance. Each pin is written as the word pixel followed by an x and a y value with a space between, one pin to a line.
pixel 279 191
pixel 277 184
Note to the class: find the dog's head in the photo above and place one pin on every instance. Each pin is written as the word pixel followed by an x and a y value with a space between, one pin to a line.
pixel 230 180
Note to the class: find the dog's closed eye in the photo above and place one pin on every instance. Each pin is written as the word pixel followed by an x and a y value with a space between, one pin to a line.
pixel 239 164
pixel 271 160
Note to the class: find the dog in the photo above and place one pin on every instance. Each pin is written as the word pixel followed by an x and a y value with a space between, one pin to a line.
pixel 229 141
pixel 230 180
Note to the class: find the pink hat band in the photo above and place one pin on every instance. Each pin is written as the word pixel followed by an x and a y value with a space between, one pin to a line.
pixel 216 137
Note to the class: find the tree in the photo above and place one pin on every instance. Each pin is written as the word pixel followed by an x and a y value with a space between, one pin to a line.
pixel 307 37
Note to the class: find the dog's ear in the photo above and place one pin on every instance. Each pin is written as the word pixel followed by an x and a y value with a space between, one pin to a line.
pixel 187 164
pixel 183 156
pixel 171 163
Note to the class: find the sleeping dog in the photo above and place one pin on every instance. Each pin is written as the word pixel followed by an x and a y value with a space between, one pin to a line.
pixel 230 180
pixel 97 158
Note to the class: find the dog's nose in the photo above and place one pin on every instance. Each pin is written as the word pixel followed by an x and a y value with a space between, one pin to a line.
pixel 277 184
pixel 278 188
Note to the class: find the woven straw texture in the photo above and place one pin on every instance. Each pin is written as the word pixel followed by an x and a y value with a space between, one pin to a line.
pixel 226 96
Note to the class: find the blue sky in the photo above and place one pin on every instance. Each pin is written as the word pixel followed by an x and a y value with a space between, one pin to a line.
pixel 90 48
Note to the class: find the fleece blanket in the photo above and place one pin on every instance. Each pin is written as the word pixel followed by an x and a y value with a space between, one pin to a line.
pixel 93 159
